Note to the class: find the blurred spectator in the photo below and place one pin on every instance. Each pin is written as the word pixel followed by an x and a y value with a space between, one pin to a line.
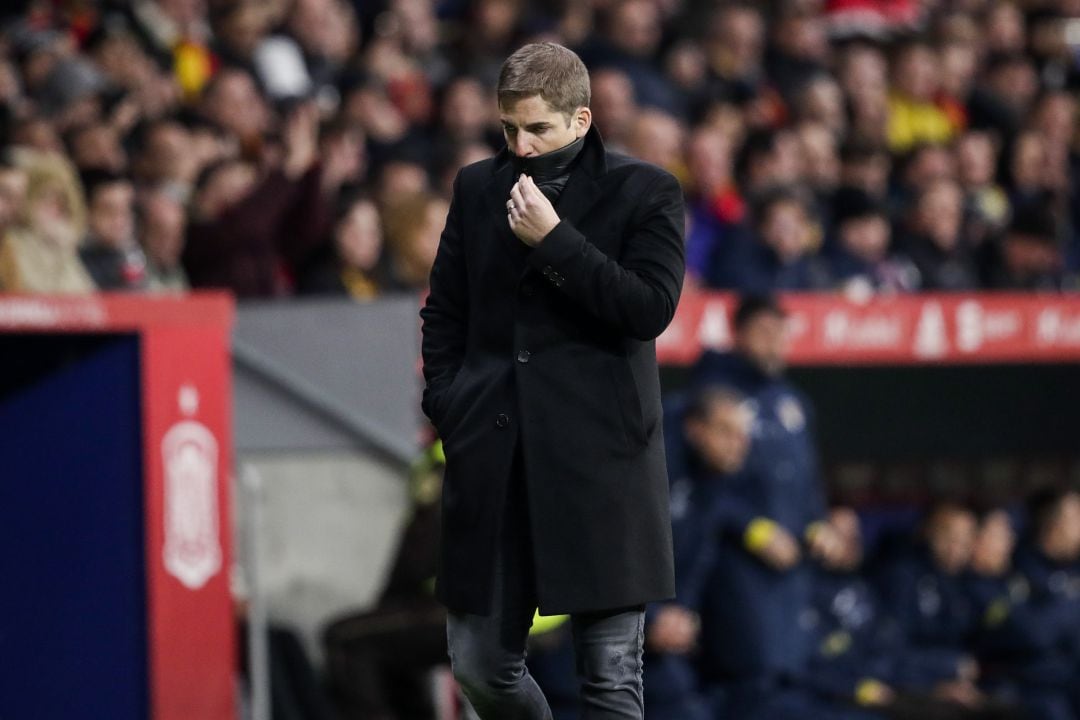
pixel 863 262
pixel 781 254
pixel 986 203
pixel 110 252
pixel 914 117
pixel 821 100
pixel 40 251
pixel 162 226
pixel 352 263
pixel 865 166
pixel 13 185
pixel 1030 256
pixel 717 209
pixel 244 234
pixel 657 137
pixel 630 44
pixel 97 146
pixel 864 77
pixel 232 102
pixel 614 106
pixel 734 52
pixel 934 239
pixel 1002 101
pixel 413 224
pixel 799 49
pixel 820 164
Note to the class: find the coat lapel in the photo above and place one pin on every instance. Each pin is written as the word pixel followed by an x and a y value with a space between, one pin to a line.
pixel 577 198
pixel 496 193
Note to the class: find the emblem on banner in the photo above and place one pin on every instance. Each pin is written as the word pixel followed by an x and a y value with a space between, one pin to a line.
pixel 192 535
pixel 930 334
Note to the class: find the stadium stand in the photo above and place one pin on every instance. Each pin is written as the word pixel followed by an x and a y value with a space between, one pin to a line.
pixel 897 163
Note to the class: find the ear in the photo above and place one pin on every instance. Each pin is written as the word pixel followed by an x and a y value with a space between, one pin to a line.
pixel 582 121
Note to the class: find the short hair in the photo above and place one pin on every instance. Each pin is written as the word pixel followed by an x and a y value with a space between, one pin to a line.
pixel 752 305
pixel 709 397
pixel 95 179
pixel 1043 506
pixel 549 70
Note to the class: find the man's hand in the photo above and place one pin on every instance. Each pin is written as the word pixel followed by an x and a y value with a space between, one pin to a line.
pixel 674 630
pixel 781 552
pixel 960 692
pixel 530 213
pixel 827 546
pixel 301 134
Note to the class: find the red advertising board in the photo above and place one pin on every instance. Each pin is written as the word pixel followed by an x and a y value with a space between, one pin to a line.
pixel 830 330
pixel 187 455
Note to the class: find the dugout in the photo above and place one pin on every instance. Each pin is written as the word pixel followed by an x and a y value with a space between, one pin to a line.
pixel 974 396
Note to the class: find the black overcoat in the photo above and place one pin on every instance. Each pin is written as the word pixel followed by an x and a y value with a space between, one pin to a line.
pixel 554 347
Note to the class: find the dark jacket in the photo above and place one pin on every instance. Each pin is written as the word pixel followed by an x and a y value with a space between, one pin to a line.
pixel 553 347
pixel 750 611
pixel 253 245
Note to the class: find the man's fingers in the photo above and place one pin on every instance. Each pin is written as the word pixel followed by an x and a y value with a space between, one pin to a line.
pixel 517 196
pixel 532 190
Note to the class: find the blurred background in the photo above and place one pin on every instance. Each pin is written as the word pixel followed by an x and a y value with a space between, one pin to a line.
pixel 871 384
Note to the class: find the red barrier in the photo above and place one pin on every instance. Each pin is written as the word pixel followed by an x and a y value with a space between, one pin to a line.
pixel 829 330
pixel 187 451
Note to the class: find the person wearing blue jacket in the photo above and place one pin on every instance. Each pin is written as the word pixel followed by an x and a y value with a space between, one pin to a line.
pixel 862 662
pixel 766 521
pixel 1050 564
pixel 715 434
pixel 925 589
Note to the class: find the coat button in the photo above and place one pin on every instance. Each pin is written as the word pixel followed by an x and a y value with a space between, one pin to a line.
pixel 523 356
pixel 528 289
pixel 501 420
pixel 546 271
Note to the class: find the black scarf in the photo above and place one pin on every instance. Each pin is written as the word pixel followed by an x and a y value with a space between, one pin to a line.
pixel 551 170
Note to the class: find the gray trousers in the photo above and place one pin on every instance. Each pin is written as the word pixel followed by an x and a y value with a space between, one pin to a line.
pixel 487 652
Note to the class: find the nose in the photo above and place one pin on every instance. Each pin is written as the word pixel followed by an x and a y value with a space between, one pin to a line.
pixel 522 147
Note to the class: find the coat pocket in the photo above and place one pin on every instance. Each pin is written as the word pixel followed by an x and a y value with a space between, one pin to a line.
pixel 629 403
pixel 451 407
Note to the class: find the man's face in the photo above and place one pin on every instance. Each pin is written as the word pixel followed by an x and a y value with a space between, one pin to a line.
pixel 1061 538
pixel 785 231
pixel 722 437
pixel 952 540
pixel 867 238
pixel 163 229
pixel 763 339
pixel 12 195
pixel 112 215
pixel 532 127
pixel 993 544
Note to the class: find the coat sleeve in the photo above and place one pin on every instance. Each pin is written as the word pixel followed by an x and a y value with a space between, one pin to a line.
pixel 445 312
pixel 636 294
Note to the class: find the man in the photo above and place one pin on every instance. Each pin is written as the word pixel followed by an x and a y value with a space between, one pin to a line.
pixel 751 602
pixel 1049 561
pixel 716 428
pixel 559 265
pixel 111 253
pixel 924 590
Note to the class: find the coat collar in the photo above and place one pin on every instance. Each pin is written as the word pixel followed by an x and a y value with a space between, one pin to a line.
pixel 580 194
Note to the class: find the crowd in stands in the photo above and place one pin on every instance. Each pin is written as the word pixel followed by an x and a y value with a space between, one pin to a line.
pixel 787 609
pixel 281 147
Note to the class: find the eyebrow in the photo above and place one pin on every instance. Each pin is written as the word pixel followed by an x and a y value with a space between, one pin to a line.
pixel 531 126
